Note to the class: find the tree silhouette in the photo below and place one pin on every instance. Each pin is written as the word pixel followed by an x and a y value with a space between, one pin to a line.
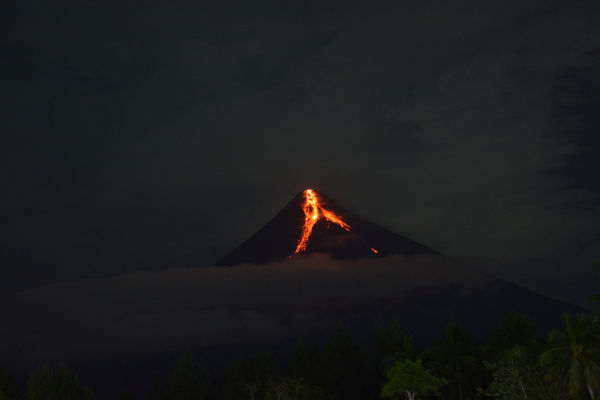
pixel 189 381
pixel 393 345
pixel 8 390
pixel 342 367
pixel 45 384
pixel 596 297
pixel 514 330
pixel 456 358
pixel 305 362
pixel 249 378
pixel 516 375
pixel 574 356
pixel 409 378
pixel 293 389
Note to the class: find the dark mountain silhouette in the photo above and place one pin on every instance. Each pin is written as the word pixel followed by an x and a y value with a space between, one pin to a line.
pixel 279 237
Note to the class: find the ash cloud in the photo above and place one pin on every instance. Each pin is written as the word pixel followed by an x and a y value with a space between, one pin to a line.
pixel 145 313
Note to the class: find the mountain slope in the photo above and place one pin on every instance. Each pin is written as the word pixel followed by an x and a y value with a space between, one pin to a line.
pixel 280 237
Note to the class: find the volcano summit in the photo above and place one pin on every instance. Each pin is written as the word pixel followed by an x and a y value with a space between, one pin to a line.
pixel 312 223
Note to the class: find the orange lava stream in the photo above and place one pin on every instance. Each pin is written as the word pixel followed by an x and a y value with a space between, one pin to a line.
pixel 311 216
pixel 312 212
pixel 334 218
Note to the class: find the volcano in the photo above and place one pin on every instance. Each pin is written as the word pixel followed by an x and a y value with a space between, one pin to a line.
pixel 447 293
pixel 313 223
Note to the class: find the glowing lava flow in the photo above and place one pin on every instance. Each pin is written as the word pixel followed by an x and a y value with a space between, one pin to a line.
pixel 312 212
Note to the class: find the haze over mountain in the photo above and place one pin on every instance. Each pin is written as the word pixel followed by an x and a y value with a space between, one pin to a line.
pixel 130 328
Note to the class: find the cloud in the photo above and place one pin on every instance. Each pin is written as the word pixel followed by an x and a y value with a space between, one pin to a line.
pixel 145 313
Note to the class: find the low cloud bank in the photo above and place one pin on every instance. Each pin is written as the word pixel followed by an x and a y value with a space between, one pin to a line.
pixel 144 313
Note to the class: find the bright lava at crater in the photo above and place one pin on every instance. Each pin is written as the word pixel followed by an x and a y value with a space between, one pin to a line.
pixel 313 211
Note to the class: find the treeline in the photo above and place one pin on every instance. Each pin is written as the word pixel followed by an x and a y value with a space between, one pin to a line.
pixel 510 364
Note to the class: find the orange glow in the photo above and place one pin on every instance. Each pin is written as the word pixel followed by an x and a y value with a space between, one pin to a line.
pixel 334 218
pixel 313 211
pixel 374 251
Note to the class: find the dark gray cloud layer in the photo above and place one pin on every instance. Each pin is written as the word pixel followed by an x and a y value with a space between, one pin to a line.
pixel 146 313
pixel 162 135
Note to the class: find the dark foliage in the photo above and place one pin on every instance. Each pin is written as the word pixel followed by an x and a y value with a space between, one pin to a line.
pixel 512 363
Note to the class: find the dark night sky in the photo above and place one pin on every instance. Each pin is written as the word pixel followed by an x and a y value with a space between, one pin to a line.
pixel 147 135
